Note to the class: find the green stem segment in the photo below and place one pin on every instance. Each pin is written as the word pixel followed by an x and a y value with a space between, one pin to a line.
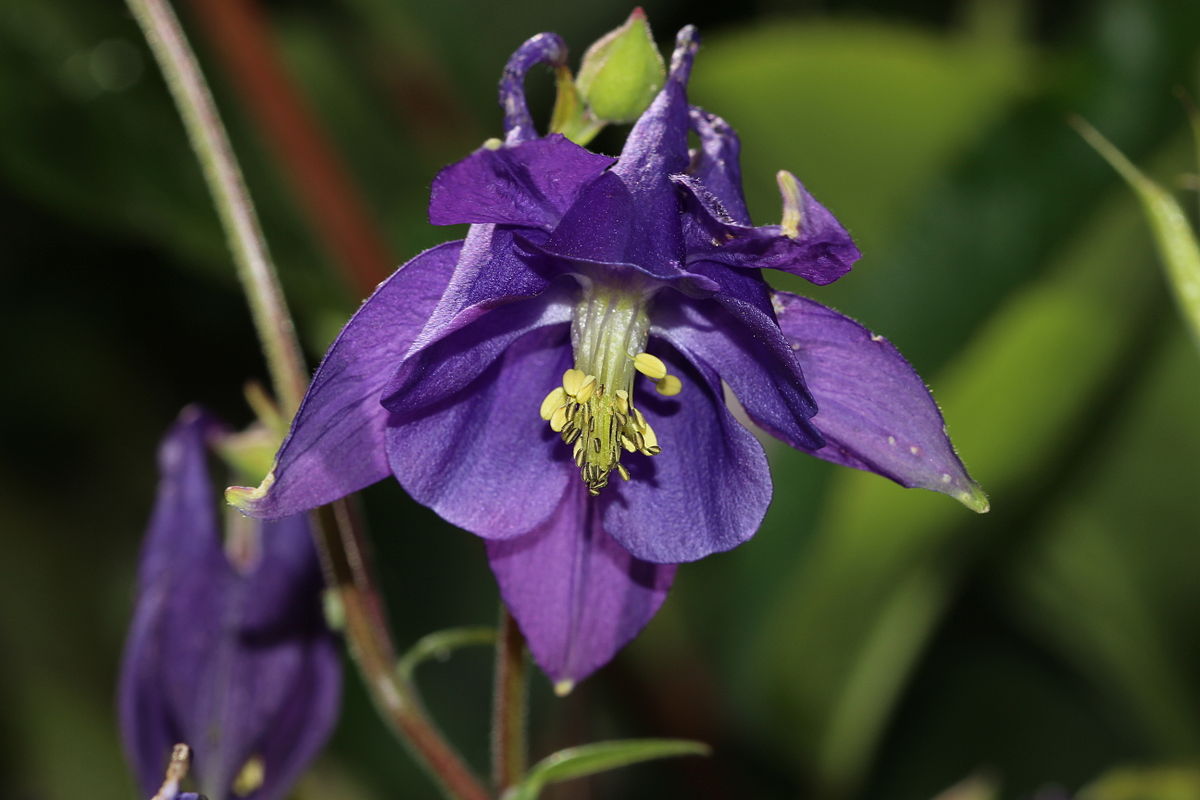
pixel 509 705
pixel 338 535
pixel 228 188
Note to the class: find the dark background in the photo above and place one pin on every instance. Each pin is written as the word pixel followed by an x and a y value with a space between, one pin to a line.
pixel 870 642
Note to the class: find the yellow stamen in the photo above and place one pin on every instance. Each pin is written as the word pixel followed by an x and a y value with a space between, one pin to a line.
pixel 251 777
pixel 572 381
pixel 556 398
pixel 584 393
pixel 558 420
pixel 622 401
pixel 624 472
pixel 669 386
pixel 650 366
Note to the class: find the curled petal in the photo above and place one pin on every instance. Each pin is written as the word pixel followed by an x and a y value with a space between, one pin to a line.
pixel 483 458
pixel 810 242
pixel 545 48
pixel 335 445
pixel 873 408
pixel 717 163
pixel 735 335
pixel 531 183
pixel 708 489
pixel 578 596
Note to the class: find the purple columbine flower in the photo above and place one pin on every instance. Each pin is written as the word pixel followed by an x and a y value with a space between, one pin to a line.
pixel 228 650
pixel 555 382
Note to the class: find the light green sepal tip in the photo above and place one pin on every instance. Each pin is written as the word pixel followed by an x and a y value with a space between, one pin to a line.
pixel 974 499
pixel 622 71
pixel 1173 235
pixel 243 498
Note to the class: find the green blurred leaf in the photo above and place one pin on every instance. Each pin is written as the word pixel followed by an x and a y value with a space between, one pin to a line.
pixel 590 759
pixel 849 105
pixel 1153 783
pixel 1173 234
pixel 1016 399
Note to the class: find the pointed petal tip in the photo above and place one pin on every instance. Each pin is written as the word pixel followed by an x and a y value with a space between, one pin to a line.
pixel 687 42
pixel 975 499
pixel 245 498
pixel 564 687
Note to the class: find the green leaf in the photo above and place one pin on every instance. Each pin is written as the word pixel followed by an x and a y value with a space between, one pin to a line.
pixel 1153 783
pixel 589 759
pixel 1061 340
pixel 1173 235
pixel 440 644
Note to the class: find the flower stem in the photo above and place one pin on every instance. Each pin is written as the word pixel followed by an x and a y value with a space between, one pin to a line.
pixel 338 535
pixel 509 705
pixel 228 188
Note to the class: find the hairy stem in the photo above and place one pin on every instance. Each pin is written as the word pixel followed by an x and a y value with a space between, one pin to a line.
pixel 509 705
pixel 339 537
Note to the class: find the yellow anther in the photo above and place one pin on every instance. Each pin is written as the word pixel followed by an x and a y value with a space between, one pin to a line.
pixel 622 401
pixel 558 420
pixel 572 381
pixel 624 472
pixel 669 386
pixel 492 144
pixel 629 444
pixel 650 437
pixel 639 419
pixel 250 778
pixel 650 366
pixel 584 393
pixel 554 400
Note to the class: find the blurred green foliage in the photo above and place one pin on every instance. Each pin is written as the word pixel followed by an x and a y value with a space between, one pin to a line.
pixel 871 642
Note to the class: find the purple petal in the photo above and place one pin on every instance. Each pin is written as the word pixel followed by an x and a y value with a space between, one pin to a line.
pixel 735 335
pixel 217 655
pixel 578 596
pixel 530 183
pixel 820 250
pixel 183 529
pixel 597 238
pixel 708 489
pixel 717 163
pixel 335 446
pixel 656 148
pixel 545 48
pixel 489 273
pixel 484 459
pixel 873 408
pixel 431 376
pixel 304 720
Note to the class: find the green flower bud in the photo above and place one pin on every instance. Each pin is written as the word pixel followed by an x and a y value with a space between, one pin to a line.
pixel 622 71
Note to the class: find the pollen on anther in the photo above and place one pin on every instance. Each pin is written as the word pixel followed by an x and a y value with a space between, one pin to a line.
pixel 669 386
pixel 556 398
pixel 572 381
pixel 650 366
pixel 586 389
pixel 558 420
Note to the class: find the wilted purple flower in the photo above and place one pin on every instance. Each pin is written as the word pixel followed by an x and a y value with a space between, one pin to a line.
pixel 616 297
pixel 228 651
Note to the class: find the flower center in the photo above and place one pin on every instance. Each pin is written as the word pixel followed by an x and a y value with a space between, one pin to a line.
pixel 593 408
